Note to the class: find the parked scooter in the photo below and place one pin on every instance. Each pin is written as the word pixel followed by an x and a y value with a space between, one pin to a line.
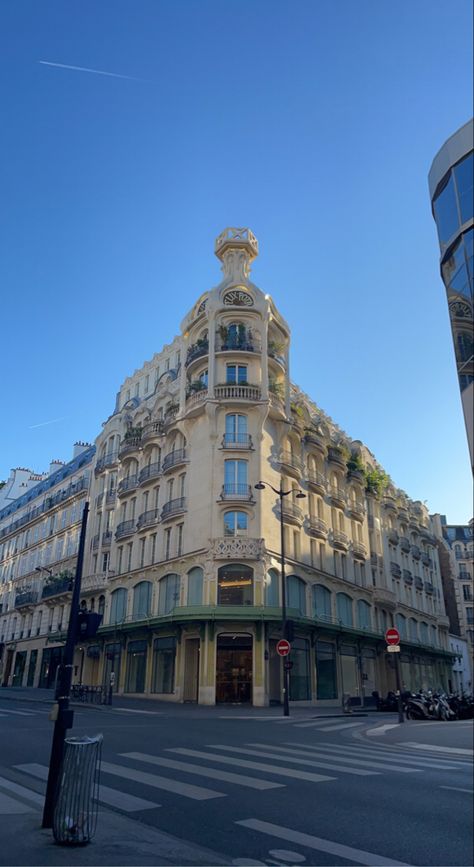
pixel 421 706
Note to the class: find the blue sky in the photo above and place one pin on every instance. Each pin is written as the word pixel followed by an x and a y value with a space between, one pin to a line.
pixel 314 123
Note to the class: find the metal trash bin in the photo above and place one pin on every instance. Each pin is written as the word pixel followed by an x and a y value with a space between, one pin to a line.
pixel 76 803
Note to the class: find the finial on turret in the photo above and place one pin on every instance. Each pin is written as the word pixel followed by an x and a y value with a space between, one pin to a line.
pixel 236 248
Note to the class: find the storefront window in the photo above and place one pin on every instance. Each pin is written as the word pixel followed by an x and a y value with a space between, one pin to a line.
pixel 141 600
pixel 118 605
pixel 164 657
pixel 350 672
pixel 322 608
pixel 344 609
pixel 235 585
pixel 326 671
pixel 136 666
pixel 195 582
pixel 296 594
pixel 402 625
pixel 272 588
pixel 300 684
pixel 363 614
pixel 168 594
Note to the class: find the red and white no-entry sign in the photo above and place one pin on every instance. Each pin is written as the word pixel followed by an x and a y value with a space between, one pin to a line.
pixel 283 647
pixel 392 636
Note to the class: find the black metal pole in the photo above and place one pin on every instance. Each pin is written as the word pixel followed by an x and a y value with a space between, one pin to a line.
pixel 64 715
pixel 286 703
pixel 401 717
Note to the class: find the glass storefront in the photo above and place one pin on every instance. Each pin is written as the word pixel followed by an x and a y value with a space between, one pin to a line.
pixel 300 681
pixel 49 665
pixel 164 658
pixel 234 669
pixel 235 585
pixel 326 670
pixel 32 668
pixel 136 666
pixel 350 671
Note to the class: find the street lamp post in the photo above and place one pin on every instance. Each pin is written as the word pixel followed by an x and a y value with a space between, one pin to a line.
pixel 284 622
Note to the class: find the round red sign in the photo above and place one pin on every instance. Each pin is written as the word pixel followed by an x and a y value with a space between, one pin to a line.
pixel 283 647
pixel 392 636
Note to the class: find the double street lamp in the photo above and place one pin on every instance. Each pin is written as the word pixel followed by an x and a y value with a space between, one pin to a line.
pixel 300 495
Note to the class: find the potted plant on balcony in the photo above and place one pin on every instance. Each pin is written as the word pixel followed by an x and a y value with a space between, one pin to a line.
pixel 223 334
pixel 277 389
pixel 375 482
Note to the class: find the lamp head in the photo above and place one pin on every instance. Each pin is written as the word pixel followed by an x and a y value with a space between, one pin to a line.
pixel 300 495
pixel 259 486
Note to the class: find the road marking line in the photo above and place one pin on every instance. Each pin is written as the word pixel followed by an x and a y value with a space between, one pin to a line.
pixel 380 730
pixel 358 855
pixel 457 789
pixel 227 776
pixel 307 761
pixel 130 710
pixel 197 793
pixel 456 750
pixel 18 712
pixel 335 728
pixel 8 806
pixel 321 753
pixel 257 766
pixel 21 790
pixel 112 797
pixel 314 724
pixel 375 753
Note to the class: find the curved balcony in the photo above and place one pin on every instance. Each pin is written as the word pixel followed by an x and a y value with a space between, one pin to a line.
pixel 385 597
pixel 405 544
pixel 148 519
pixel 237 392
pixel 127 485
pixel 407 576
pixel 126 528
pixel 317 527
pixel 237 343
pixel 356 509
pixel 196 397
pixel 151 430
pixel 426 559
pixel 395 570
pixel 236 491
pixel 237 441
pixel 274 351
pixel 197 350
pixel 429 588
pixel 94 583
pixel 418 583
pixel 292 514
pixel 403 513
pixel 337 497
pixel 336 456
pixel 57 587
pixel 356 476
pixel 393 537
pixel 359 551
pixel 340 540
pixel 152 471
pixel 107 539
pixel 173 508
pixel 106 462
pixel 376 560
pixel 413 523
pixel 129 445
pixel 390 503
pixel 174 459
pixel 415 552
pixel 290 464
pixel 110 499
pixel 316 482
pixel 170 414
pixel 311 438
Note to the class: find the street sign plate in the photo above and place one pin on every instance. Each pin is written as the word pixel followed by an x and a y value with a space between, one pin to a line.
pixel 392 636
pixel 393 648
pixel 283 647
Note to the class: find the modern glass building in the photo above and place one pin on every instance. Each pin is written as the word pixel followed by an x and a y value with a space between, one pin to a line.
pixel 452 201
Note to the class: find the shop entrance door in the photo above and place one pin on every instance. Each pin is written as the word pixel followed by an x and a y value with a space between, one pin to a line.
pixel 234 669
pixel 191 669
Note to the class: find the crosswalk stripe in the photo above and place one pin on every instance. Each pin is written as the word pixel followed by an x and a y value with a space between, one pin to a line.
pixel 9 806
pixel 321 753
pixel 402 758
pixel 212 773
pixel 314 724
pixel 7 711
pixel 22 791
pixel 455 751
pixel 197 793
pixel 257 766
pixel 336 728
pixel 307 760
pixel 311 842
pixel 458 789
pixel 132 710
pixel 112 797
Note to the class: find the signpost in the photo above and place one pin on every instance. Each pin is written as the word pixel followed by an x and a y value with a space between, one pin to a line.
pixel 392 637
pixel 283 647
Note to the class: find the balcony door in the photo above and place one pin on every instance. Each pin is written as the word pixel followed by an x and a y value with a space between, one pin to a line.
pixel 236 477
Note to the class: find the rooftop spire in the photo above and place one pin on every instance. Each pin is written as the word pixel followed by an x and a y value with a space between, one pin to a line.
pixel 236 248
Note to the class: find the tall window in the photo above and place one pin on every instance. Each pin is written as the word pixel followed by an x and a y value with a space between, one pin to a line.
pixel 363 614
pixel 236 374
pixel 141 600
pixel 195 586
pixel 164 655
pixel 168 593
pixel 236 429
pixel 413 628
pixel 344 609
pixel 235 477
pixel 272 588
pixel 235 524
pixel 118 605
pixel 402 625
pixel 235 585
pixel 296 593
pixel 322 608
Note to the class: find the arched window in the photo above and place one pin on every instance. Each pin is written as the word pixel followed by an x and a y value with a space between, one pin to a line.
pixel 296 593
pixel 424 633
pixel 434 636
pixel 344 609
pixel 141 600
pixel 168 597
pixel 195 583
pixel 322 606
pixel 235 524
pixel 235 585
pixel 413 627
pixel 118 605
pixel 272 588
pixel 363 614
pixel 402 625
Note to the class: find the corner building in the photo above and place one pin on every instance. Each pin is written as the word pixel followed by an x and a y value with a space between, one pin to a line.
pixel 184 553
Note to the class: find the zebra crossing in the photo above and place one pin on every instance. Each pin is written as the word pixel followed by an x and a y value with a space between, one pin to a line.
pixel 324 724
pixel 213 772
pixel 9 712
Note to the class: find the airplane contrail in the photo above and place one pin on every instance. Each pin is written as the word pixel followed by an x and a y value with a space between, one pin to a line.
pixel 93 71
pixel 43 423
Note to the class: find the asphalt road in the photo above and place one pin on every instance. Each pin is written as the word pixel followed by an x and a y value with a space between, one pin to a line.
pixel 265 790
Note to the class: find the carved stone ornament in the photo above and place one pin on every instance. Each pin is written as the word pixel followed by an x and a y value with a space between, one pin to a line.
pixel 238 298
pixel 460 310
pixel 239 548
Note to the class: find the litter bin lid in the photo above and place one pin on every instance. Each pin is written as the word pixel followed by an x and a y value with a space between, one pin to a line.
pixel 84 740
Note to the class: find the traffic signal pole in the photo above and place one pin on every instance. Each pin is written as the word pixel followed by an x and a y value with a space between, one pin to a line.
pixel 63 715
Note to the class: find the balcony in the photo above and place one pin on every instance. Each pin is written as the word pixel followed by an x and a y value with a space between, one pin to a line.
pixel 359 551
pixel 312 438
pixel 125 528
pixel 129 445
pixel 292 514
pixel 173 508
pixel 237 392
pixel 418 583
pixel 171 412
pixel 376 560
pixel 151 430
pixel 196 397
pixel 239 342
pixel 26 597
pixel 316 482
pixel 197 350
pixel 395 570
pixel 94 583
pixel 236 491
pixel 317 527
pixel 106 462
pixel 237 441
pixel 290 464
pixel 403 513
pixel 107 539
pixel 464 576
pixel 277 352
pixel 356 509
pixel 426 559
pixel 110 498
pixel 148 519
pixel 237 548
pixel 405 544
pixel 356 476
pixel 407 576
pixel 57 587
pixel 393 537
pixel 340 540
pixel 128 484
pixel 385 597
pixel 152 471
pixel 174 459
pixel 336 456
pixel 429 588
pixel 389 503
pixel 415 552
pixel 337 497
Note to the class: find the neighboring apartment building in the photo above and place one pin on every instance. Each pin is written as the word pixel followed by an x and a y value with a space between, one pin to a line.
pixel 39 534
pixel 461 542
pixel 452 202
pixel 183 553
